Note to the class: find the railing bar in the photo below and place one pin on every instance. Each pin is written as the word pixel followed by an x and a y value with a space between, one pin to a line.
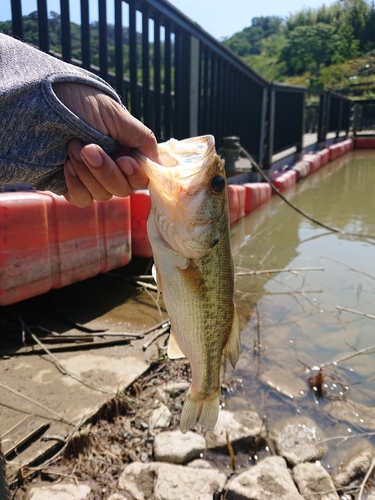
pixel 65 31
pixel 103 47
pixel 119 55
pixel 17 24
pixel 133 60
pixel 85 34
pixel 146 67
pixel 43 25
pixel 167 83
pixel 157 77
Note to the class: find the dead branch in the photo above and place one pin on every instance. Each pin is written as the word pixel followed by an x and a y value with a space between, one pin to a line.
pixel 353 311
pixel 363 484
pixel 272 271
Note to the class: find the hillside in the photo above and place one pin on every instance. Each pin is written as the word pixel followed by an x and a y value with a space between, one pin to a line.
pixel 326 48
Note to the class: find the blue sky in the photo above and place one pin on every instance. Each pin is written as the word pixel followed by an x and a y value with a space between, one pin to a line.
pixel 224 19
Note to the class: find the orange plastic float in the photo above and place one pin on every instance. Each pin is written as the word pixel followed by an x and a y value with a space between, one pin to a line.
pixel 285 181
pixel 324 156
pixel 347 145
pixel 364 142
pixel 252 199
pixel 140 203
pixel 302 168
pixel 336 150
pixel 236 202
pixel 45 242
pixel 265 193
pixel 314 161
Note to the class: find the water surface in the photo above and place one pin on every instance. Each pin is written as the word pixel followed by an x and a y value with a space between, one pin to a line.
pixel 292 327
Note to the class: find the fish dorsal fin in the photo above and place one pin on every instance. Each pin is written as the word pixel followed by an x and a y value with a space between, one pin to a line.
pixel 174 351
pixel 233 345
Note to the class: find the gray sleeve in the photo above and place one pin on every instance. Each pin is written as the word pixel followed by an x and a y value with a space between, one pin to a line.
pixel 35 127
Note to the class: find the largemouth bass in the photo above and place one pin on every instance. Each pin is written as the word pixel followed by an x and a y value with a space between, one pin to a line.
pixel 188 229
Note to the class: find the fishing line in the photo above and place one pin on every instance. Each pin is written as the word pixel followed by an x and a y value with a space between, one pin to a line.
pixel 301 212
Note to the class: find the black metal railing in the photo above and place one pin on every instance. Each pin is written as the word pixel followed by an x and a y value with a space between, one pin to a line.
pixel 178 79
pixel 364 116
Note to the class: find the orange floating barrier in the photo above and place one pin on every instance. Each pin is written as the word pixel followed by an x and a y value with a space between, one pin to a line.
pixel 302 168
pixel 140 203
pixel 45 242
pixel 314 161
pixel 324 156
pixel 265 193
pixel 347 145
pixel 336 150
pixel 234 203
pixel 252 198
pixel 364 142
pixel 285 181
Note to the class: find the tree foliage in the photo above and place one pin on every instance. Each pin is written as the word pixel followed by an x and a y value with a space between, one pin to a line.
pixel 312 46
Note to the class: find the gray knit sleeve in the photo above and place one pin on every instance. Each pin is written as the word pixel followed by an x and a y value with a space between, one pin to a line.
pixel 35 127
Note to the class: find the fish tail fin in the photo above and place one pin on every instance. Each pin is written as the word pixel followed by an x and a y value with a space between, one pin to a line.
pixel 204 412
pixel 233 345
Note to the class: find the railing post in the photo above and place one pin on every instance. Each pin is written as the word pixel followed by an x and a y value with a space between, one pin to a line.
pixel 194 86
pixel 298 154
pixel 263 127
pixel 271 126
pixel 323 117
pixel 17 25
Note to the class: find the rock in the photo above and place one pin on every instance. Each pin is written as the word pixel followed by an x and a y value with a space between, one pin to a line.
pixel 354 468
pixel 177 448
pixel 299 440
pixel 199 463
pixel 116 496
pixel 243 428
pixel 285 382
pixel 314 482
pixel 269 480
pixel 160 417
pixel 360 416
pixel 59 491
pixel 161 481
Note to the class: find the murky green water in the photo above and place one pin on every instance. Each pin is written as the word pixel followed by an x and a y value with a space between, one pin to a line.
pixel 290 320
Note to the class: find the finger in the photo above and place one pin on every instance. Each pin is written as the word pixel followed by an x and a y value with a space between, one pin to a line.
pixel 127 130
pixel 77 194
pixel 94 187
pixel 133 171
pixel 108 173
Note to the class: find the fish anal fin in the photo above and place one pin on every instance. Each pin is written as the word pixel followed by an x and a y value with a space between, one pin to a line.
pixel 233 345
pixel 202 411
pixel 174 351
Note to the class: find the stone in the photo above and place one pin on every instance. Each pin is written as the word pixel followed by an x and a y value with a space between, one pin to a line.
pixel 358 415
pixel 314 482
pixel 177 448
pixel 285 382
pixel 59 491
pixel 243 427
pixel 199 463
pixel 352 471
pixel 270 479
pixel 175 387
pixel 117 496
pixel 299 440
pixel 161 481
pixel 160 417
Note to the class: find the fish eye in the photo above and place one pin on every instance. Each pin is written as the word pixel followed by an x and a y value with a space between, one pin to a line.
pixel 217 184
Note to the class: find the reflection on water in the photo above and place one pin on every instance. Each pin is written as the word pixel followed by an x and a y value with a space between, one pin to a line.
pixel 291 325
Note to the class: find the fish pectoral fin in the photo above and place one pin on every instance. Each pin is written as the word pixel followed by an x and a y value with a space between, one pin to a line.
pixel 174 351
pixel 156 275
pixel 233 345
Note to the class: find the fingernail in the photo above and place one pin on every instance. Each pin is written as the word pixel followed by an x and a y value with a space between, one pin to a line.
pixel 92 155
pixel 70 167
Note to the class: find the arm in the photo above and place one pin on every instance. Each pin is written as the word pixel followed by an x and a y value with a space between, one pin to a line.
pixel 44 105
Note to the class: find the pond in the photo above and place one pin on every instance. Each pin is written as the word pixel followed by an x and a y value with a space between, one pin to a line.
pixel 304 352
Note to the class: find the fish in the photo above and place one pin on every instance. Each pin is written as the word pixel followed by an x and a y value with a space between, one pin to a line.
pixel 189 232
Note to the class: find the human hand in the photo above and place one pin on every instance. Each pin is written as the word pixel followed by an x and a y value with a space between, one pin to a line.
pixel 90 173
